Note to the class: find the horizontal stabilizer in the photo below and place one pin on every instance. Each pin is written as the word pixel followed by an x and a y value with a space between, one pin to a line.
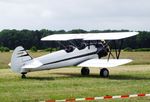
pixel 89 36
pixel 104 62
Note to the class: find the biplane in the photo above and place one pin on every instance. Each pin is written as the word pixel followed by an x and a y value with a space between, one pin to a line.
pixel 84 50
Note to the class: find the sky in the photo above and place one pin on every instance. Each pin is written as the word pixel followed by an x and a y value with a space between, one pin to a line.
pixel 75 14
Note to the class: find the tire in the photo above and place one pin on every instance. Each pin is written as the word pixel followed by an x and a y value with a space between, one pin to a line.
pixel 104 72
pixel 85 71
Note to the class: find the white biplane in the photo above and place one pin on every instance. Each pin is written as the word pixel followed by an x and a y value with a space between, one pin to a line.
pixel 88 52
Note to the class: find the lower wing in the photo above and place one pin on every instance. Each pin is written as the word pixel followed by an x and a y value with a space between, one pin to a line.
pixel 104 62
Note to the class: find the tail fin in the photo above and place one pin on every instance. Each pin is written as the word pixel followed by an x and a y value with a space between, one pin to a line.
pixel 18 59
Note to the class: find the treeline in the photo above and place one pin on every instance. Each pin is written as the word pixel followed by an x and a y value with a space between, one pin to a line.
pixel 30 38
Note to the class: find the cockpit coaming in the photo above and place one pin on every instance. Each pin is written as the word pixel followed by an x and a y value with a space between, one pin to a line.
pixel 102 47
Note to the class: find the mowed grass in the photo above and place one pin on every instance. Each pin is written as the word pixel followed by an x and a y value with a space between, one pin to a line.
pixel 68 83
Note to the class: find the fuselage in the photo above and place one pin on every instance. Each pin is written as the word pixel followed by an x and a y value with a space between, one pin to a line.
pixel 62 58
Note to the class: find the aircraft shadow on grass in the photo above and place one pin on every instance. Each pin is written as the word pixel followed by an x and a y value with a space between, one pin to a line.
pixel 41 78
pixel 73 75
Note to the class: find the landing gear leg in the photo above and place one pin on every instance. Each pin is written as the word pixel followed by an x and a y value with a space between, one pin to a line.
pixel 104 72
pixel 85 71
pixel 23 75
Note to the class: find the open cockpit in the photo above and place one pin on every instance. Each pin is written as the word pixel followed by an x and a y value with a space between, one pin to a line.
pixel 71 45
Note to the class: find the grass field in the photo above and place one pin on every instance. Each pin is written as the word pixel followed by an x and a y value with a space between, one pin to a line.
pixel 68 83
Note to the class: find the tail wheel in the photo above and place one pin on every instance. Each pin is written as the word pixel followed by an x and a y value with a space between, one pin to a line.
pixel 85 71
pixel 104 72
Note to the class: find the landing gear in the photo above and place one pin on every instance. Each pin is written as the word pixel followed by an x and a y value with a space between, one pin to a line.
pixel 23 75
pixel 104 72
pixel 85 71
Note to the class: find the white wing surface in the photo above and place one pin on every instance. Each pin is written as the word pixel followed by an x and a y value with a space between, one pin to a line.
pixel 89 36
pixel 104 62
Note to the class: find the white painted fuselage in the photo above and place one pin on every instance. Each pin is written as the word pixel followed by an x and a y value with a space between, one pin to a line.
pixel 62 58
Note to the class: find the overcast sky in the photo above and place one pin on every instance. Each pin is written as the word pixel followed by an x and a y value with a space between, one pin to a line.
pixel 75 14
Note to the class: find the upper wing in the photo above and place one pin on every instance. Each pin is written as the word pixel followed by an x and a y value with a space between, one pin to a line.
pixel 104 62
pixel 90 36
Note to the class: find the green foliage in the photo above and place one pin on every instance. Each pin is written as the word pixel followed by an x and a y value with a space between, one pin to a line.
pixel 33 49
pixel 127 49
pixel 29 38
pixel 50 49
pixel 4 49
pixel 77 31
pixel 137 50
pixel 142 49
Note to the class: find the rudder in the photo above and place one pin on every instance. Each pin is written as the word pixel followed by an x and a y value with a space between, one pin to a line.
pixel 19 57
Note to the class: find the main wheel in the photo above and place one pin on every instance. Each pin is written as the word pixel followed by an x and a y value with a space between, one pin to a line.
pixel 85 71
pixel 104 72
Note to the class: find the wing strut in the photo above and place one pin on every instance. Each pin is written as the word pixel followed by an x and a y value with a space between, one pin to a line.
pixel 118 50
pixel 110 53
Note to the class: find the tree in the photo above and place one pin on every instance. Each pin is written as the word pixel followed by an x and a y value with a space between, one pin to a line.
pixel 29 38
pixel 33 49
